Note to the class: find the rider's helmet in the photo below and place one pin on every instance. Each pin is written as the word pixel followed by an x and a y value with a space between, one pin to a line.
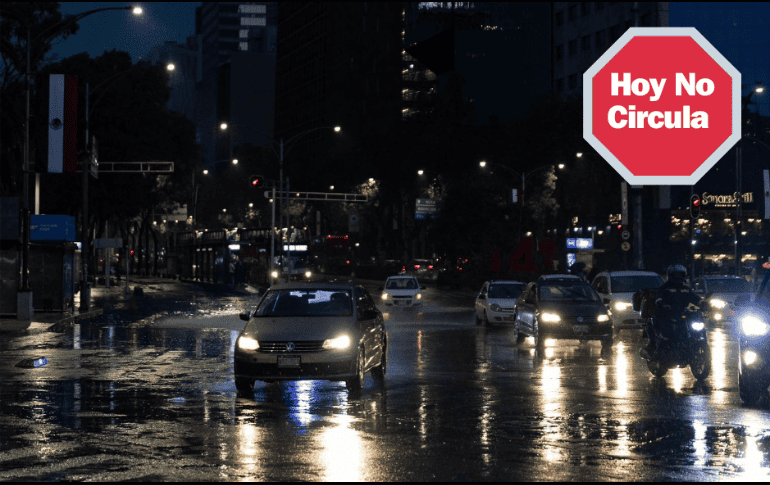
pixel 676 273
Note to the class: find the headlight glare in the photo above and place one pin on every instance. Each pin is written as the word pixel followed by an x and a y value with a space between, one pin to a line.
pixel 308 274
pixel 622 306
pixel 385 296
pixel 603 318
pixel 698 326
pixel 339 343
pixel 418 296
pixel 717 303
pixel 753 326
pixel 550 317
pixel 248 343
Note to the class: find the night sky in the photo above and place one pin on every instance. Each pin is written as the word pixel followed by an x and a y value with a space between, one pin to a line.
pixel 738 30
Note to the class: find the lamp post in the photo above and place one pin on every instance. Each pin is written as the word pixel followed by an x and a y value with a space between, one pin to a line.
pixel 283 149
pixel 24 300
pixel 523 176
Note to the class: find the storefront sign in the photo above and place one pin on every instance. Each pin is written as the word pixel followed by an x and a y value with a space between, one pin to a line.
pixel 720 201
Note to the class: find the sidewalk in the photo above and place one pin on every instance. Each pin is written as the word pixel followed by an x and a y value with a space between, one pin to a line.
pixel 115 297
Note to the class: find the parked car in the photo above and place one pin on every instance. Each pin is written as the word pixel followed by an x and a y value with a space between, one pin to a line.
pixel 752 314
pixel 719 294
pixel 402 292
pixel 562 307
pixel 617 288
pixel 311 331
pixel 496 301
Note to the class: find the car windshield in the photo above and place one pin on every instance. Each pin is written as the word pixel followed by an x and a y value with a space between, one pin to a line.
pixel 505 290
pixel 567 291
pixel 401 284
pixel 729 285
pixel 305 303
pixel 632 284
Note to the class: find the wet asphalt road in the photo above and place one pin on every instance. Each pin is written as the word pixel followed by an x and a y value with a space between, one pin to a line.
pixel 122 401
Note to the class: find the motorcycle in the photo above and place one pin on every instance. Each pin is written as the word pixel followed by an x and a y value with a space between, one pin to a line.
pixel 693 348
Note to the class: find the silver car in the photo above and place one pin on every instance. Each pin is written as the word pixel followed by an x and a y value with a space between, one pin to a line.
pixel 617 288
pixel 720 293
pixel 301 331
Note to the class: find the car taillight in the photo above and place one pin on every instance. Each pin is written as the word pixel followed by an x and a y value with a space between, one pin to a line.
pixel 403 268
pixel 430 266
pixel 347 262
pixel 416 266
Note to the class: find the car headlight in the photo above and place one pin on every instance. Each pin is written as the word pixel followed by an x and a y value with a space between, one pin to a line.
pixel 717 303
pixel 248 343
pixel 622 306
pixel 603 318
pixel 385 296
pixel 274 274
pixel 339 343
pixel 754 326
pixel 418 296
pixel 550 317
pixel 495 307
pixel 698 326
pixel 308 274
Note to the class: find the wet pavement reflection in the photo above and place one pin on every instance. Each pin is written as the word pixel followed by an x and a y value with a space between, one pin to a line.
pixel 460 402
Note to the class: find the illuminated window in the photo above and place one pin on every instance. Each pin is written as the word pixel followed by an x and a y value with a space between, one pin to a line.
pixel 254 21
pixel 243 34
pixel 243 46
pixel 252 9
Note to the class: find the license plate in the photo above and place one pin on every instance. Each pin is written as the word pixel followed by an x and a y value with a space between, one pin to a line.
pixel 285 361
pixel 580 328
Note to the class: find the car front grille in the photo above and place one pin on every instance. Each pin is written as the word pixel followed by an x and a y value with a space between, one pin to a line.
pixel 299 347
pixel 587 320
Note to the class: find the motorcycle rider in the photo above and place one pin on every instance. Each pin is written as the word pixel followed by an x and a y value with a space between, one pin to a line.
pixel 672 299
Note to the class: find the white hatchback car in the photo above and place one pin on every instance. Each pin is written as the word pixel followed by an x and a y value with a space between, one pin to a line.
pixel 402 292
pixel 497 300
pixel 617 288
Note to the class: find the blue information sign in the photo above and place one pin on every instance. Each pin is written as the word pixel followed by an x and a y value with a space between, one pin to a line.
pixel 51 228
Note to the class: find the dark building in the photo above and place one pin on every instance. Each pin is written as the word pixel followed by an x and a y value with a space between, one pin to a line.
pixel 339 63
pixel 236 76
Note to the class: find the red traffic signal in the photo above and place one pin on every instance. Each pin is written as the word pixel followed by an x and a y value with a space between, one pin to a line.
pixel 695 204
pixel 257 181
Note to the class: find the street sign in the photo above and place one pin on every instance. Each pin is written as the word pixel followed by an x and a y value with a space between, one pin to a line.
pixel 626 235
pixel 625 246
pixel 51 227
pixel 425 209
pixel 662 106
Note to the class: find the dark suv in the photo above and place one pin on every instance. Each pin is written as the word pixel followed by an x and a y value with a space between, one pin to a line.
pixel 752 314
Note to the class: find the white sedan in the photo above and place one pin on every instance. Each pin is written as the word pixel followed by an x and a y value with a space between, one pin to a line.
pixel 497 300
pixel 402 292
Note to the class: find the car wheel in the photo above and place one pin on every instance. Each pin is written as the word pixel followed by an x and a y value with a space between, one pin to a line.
pixel 751 390
pixel 356 383
pixel 539 342
pixel 379 372
pixel 245 386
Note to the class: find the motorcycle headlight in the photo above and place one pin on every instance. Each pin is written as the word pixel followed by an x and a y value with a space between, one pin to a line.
pixel 717 303
pixel 603 318
pixel 550 317
pixel 248 343
pixel 495 307
pixel 698 326
pixel 339 343
pixel 622 306
pixel 754 326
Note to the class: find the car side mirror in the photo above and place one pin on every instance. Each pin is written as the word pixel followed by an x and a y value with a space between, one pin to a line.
pixel 245 316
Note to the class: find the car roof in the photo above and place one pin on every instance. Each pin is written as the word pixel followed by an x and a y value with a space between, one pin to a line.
pixel 628 273
pixel 401 277
pixel 505 282
pixel 556 277
pixel 314 286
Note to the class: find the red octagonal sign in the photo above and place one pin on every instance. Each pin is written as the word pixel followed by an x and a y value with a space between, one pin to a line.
pixel 662 106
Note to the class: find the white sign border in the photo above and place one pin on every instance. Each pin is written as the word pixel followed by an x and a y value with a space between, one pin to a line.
pixel 712 160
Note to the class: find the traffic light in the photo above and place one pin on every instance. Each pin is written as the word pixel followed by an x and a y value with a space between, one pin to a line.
pixel 257 181
pixel 695 206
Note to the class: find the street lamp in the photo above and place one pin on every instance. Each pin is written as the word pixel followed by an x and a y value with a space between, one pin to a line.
pixel 24 298
pixel 523 176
